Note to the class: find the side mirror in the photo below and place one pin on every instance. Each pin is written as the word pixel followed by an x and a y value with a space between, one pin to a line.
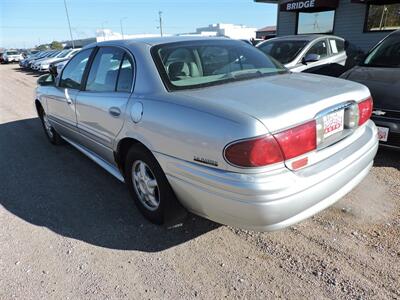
pixel 310 58
pixel 47 79
pixel 53 70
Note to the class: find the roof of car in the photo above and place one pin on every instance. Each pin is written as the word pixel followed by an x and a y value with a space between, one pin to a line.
pixel 303 37
pixel 159 40
pixel 397 32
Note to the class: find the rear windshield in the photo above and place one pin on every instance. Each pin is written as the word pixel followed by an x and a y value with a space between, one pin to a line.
pixel 283 51
pixel 12 53
pixel 194 64
pixel 386 54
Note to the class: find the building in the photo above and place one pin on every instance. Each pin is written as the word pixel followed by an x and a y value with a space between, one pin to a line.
pixel 229 30
pixel 361 22
pixel 266 32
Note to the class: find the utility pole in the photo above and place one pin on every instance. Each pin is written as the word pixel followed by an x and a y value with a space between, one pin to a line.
pixel 102 28
pixel 69 24
pixel 160 21
pixel 122 30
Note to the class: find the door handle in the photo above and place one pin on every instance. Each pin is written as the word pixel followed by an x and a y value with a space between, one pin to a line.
pixel 114 111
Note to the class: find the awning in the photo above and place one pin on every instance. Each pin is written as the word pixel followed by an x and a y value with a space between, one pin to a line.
pixel 309 5
pixel 376 2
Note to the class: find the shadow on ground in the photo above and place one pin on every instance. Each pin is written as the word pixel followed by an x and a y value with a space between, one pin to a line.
pixel 28 72
pixel 59 188
pixel 387 158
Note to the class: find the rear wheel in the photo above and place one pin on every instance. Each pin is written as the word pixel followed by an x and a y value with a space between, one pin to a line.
pixel 51 134
pixel 149 186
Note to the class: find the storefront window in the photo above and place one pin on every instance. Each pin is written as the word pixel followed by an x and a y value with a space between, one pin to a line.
pixel 319 22
pixel 383 17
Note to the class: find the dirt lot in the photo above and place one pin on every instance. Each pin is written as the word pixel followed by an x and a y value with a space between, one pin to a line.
pixel 68 230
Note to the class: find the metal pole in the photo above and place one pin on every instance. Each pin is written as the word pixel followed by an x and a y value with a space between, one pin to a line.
pixel 69 24
pixel 122 31
pixel 160 20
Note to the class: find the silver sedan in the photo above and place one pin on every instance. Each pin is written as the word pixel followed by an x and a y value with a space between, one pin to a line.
pixel 213 126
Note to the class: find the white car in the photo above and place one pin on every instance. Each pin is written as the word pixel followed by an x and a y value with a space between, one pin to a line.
pixel 43 65
pixel 12 56
pixel 302 52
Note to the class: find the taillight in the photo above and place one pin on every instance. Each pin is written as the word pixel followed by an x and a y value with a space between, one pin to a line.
pixel 298 140
pixel 364 110
pixel 256 152
pixel 272 149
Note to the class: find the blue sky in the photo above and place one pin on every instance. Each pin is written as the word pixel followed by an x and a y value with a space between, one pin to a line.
pixel 23 23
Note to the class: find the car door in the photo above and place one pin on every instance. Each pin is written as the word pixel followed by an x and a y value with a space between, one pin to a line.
pixel 102 102
pixel 319 47
pixel 61 102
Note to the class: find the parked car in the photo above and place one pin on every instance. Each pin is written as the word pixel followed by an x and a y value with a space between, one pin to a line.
pixel 380 71
pixel 10 56
pixel 35 64
pixel 214 125
pixel 43 65
pixel 1 57
pixel 26 63
pixel 319 54
pixel 59 65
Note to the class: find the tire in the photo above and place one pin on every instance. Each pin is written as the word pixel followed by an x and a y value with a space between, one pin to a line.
pixel 50 132
pixel 149 187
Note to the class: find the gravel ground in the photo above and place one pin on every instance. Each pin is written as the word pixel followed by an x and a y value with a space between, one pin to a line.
pixel 68 230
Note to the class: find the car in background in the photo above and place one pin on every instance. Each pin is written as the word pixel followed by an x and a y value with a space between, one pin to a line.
pixel 26 63
pixel 1 57
pixel 214 125
pixel 380 72
pixel 308 53
pixel 10 56
pixel 35 64
pixel 59 65
pixel 44 65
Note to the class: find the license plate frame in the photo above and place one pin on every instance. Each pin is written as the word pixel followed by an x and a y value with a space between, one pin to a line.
pixel 383 133
pixel 333 123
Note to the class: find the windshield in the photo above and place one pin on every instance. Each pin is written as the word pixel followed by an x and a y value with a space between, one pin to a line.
pixel 283 51
pixel 185 65
pixel 12 53
pixel 386 54
pixel 63 53
pixel 55 53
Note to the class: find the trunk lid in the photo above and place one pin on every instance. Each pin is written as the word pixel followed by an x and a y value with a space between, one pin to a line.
pixel 282 101
pixel 285 101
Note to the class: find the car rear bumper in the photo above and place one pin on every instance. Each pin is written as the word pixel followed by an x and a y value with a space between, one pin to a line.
pixel 394 130
pixel 274 200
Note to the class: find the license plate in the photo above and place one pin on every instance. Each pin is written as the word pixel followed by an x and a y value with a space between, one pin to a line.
pixel 333 123
pixel 383 133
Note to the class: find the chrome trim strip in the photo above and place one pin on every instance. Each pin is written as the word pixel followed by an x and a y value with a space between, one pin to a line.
pixel 102 163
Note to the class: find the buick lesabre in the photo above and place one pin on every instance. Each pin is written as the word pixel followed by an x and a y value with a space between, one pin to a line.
pixel 212 125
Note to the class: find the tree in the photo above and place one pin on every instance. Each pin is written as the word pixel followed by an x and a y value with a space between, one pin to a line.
pixel 56 45
pixel 41 47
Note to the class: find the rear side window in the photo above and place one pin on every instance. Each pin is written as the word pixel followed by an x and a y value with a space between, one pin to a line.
pixel 72 75
pixel 319 48
pixel 337 46
pixel 111 70
pixel 125 77
pixel 103 73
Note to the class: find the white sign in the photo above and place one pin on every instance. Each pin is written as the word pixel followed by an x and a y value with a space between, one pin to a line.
pixel 300 5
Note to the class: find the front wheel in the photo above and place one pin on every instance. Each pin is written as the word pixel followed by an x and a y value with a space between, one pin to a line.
pixel 149 187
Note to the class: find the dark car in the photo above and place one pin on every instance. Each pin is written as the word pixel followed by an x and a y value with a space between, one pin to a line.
pixel 380 72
